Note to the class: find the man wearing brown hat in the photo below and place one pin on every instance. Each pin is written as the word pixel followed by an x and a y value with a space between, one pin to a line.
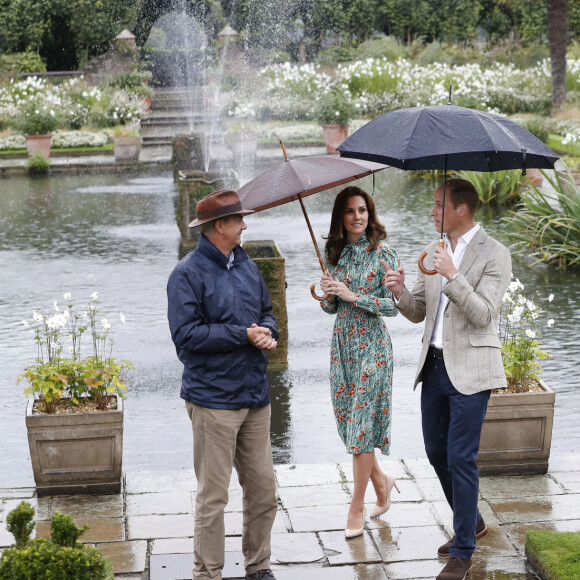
pixel 221 321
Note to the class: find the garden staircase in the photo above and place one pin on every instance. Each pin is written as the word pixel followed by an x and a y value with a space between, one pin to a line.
pixel 170 115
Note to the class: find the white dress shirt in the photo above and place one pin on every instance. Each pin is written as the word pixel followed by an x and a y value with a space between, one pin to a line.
pixel 456 257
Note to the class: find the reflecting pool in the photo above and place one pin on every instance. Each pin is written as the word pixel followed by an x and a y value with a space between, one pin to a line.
pixel 117 235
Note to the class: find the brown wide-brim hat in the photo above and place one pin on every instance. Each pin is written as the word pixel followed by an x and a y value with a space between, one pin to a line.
pixel 218 204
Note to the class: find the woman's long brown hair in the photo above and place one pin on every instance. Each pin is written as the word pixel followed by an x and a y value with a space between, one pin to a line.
pixel 337 238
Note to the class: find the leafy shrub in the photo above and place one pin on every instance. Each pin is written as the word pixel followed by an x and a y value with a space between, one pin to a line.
pixel 19 523
pixel 547 223
pixel 60 557
pixel 336 53
pixel 496 188
pixel 38 164
pixel 334 107
pixel 537 126
pixel 37 121
pixel 21 62
pixel 386 46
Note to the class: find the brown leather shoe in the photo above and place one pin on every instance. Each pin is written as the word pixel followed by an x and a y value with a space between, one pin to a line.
pixel 455 569
pixel 480 531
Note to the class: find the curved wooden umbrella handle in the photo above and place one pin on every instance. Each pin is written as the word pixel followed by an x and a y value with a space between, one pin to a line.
pixel 422 257
pixel 315 296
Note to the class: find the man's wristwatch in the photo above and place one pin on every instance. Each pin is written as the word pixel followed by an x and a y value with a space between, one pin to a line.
pixel 454 276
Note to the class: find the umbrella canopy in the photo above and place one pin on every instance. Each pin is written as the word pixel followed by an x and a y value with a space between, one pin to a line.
pixel 297 178
pixel 447 137
pixel 294 179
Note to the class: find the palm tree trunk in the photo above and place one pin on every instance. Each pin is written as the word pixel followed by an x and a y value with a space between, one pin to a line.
pixel 558 39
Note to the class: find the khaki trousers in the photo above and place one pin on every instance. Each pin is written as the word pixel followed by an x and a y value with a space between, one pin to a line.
pixel 222 438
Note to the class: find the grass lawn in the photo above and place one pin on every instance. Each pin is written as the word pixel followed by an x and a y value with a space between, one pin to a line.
pixel 63 151
pixel 554 555
pixel 555 143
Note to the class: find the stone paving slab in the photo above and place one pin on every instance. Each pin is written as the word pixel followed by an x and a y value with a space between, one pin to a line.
pixel 524 486
pixel 126 557
pixel 339 550
pixel 538 509
pixel 154 516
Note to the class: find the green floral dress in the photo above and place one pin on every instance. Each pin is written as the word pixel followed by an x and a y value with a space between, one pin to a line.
pixel 361 355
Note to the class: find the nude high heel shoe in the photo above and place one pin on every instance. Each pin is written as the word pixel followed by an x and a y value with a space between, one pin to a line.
pixel 379 510
pixel 348 533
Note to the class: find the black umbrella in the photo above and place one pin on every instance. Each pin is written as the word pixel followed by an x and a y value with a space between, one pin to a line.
pixel 447 137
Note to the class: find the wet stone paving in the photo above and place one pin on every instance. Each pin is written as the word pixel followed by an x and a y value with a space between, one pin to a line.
pixel 150 524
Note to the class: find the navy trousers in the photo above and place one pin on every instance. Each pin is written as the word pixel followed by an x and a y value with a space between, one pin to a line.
pixel 451 431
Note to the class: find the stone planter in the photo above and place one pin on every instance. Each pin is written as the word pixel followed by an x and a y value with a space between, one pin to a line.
pixel 334 135
pixel 38 144
pixel 76 453
pixel 272 266
pixel 126 149
pixel 517 434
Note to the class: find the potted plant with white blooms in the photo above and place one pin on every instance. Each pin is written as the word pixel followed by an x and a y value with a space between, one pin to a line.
pixel 37 123
pixel 74 415
pixel 517 431
pixel 334 110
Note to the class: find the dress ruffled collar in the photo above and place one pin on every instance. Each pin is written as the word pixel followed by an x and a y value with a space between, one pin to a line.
pixel 354 251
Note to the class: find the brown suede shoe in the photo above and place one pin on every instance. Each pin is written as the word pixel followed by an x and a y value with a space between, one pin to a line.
pixel 455 569
pixel 480 531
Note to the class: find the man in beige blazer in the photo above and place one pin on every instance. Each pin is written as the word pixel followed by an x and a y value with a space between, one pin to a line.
pixel 460 361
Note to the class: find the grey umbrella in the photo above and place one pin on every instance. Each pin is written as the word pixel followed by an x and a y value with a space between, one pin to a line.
pixel 447 137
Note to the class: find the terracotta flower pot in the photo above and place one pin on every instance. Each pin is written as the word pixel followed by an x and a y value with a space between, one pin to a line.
pixel 334 135
pixel 38 144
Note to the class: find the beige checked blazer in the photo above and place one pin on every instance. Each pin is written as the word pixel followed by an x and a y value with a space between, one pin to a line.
pixel 471 346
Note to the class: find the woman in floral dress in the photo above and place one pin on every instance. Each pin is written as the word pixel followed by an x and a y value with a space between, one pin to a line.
pixel 361 359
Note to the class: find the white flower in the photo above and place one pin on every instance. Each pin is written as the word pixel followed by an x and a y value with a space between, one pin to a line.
pixel 26 323
pixel 106 324
pixel 55 306
pixel 534 315
pixel 550 322
pixel 521 299
pixel 37 317
pixel 550 298
pixel 530 333
pixel 94 296
pixel 513 286
pixel 531 305
pixel 71 350
pixel 122 317
pixel 67 295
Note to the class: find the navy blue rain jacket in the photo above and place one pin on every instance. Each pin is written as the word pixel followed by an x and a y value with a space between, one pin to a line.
pixel 209 310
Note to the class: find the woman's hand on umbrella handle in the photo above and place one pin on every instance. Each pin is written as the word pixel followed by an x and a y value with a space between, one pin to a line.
pixel 325 281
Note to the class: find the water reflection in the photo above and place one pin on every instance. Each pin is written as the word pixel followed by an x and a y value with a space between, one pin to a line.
pixel 117 235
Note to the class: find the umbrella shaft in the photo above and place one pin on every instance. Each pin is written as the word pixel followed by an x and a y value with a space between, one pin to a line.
pixel 322 266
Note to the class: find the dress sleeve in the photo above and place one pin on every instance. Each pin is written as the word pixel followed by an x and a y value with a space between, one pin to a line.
pixel 381 300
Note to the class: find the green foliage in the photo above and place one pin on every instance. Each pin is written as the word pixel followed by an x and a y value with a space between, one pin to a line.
pixel 134 82
pixel 335 54
pixel 547 224
pixel 385 46
pixel 53 378
pixel 37 121
pixel 56 559
pixel 64 532
pixel 21 62
pixel 497 188
pixel 554 554
pixel 38 164
pixel 519 335
pixel 334 107
pixel 19 523
pixel 537 126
